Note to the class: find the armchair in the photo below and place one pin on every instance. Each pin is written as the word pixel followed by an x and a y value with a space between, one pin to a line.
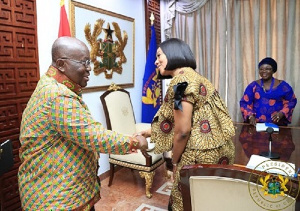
pixel 120 117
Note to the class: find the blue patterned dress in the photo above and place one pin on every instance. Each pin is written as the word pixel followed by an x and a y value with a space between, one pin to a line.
pixel 263 104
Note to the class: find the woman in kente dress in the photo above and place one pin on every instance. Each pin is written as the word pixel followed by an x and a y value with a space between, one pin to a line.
pixel 193 121
pixel 268 99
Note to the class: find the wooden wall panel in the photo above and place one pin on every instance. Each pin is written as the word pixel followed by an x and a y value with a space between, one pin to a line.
pixel 152 6
pixel 19 74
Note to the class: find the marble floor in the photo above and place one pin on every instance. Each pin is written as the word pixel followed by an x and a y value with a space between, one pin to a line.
pixel 127 192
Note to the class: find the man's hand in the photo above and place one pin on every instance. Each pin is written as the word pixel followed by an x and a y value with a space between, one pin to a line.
pixel 143 144
pixel 138 142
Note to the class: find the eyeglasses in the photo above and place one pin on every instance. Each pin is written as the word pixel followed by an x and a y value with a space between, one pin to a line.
pixel 266 69
pixel 86 63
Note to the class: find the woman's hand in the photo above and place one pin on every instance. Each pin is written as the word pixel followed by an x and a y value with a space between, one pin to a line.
pixel 252 120
pixel 174 172
pixel 276 117
pixel 145 133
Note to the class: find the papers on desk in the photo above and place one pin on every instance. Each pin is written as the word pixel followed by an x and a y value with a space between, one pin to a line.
pixel 263 127
pixel 264 164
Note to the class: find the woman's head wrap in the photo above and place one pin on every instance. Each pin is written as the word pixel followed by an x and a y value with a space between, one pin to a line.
pixel 269 61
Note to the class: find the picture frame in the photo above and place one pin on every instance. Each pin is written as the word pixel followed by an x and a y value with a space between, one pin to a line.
pixel 116 30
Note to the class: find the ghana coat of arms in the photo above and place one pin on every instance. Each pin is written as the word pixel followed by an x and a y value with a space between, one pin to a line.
pixel 106 54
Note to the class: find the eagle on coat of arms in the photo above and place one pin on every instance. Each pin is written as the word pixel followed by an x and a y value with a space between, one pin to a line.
pixel 110 52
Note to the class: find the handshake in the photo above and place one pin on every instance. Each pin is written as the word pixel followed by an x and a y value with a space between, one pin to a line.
pixel 138 142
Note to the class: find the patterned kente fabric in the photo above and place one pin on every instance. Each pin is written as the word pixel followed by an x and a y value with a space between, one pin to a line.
pixel 60 143
pixel 211 132
pixel 262 105
pixel 212 126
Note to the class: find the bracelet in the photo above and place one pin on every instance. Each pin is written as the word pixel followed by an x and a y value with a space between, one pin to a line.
pixel 133 144
pixel 174 164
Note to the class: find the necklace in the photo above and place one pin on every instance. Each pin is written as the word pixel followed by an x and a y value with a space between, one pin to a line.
pixel 271 86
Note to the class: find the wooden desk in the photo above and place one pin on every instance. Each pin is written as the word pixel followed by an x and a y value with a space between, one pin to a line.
pixel 247 142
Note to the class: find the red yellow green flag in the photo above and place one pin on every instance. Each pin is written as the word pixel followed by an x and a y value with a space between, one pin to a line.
pixel 64 27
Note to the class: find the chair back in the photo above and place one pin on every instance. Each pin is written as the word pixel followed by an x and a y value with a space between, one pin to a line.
pixel 118 111
pixel 223 193
pixel 225 187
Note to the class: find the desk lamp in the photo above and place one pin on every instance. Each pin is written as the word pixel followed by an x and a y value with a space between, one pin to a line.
pixel 270 154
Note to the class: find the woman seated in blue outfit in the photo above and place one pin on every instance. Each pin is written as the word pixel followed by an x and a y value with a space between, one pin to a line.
pixel 268 99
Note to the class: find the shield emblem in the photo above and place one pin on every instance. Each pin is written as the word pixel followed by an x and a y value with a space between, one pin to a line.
pixel 108 55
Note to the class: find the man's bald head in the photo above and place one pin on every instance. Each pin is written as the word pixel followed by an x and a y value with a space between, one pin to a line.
pixel 66 47
pixel 72 58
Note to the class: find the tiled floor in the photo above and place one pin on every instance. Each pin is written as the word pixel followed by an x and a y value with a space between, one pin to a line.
pixel 127 192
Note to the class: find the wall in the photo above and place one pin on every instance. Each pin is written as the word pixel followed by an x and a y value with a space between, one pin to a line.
pixel 48 13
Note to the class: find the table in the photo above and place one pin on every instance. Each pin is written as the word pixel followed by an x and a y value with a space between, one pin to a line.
pixel 247 142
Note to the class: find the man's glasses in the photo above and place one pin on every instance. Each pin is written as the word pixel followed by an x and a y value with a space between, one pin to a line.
pixel 86 63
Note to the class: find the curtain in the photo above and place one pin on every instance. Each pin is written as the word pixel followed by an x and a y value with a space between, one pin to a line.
pixel 208 46
pixel 183 6
pixel 230 37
